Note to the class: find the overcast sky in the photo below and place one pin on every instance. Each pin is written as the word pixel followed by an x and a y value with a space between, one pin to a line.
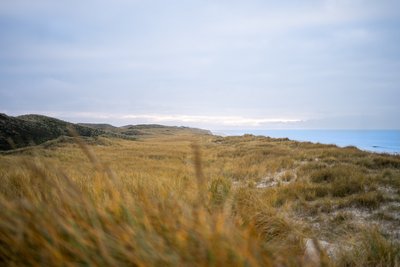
pixel 212 64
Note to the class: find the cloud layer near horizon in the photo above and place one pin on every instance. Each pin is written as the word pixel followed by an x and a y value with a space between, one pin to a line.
pixel 320 64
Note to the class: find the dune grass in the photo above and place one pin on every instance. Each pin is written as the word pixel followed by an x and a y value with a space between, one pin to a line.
pixel 193 200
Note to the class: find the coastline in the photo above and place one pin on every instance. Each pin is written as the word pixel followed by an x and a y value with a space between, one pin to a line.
pixel 375 141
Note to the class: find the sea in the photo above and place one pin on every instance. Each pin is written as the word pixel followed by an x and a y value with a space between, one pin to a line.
pixel 379 141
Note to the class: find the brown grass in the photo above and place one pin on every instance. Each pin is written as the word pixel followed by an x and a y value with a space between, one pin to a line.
pixel 175 200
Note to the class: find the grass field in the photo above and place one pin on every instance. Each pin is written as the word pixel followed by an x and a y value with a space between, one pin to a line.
pixel 198 200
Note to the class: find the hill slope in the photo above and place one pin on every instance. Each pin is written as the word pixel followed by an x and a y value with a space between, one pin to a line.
pixel 145 129
pixel 22 131
pixel 26 130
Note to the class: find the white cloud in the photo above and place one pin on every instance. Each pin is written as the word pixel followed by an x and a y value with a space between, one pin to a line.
pixel 257 61
pixel 212 122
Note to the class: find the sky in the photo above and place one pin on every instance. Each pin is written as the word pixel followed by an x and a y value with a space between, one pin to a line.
pixel 215 64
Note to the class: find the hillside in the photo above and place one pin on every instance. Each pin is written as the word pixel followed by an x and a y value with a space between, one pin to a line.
pixel 227 201
pixel 100 126
pixel 146 129
pixel 27 130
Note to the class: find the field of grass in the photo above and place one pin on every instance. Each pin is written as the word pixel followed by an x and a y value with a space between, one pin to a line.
pixel 198 200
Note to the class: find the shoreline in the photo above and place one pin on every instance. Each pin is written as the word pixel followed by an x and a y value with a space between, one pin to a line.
pixel 374 141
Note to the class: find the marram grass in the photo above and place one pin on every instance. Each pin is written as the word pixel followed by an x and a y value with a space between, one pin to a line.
pixel 166 202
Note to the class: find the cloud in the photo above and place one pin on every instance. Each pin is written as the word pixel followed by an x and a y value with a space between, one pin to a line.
pixel 214 120
pixel 219 62
pixel 176 119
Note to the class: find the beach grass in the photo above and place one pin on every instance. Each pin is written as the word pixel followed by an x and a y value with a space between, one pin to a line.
pixel 198 200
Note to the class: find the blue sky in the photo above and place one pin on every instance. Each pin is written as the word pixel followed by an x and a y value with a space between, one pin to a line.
pixel 211 64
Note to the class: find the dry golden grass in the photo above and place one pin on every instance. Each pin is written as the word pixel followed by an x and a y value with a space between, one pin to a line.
pixel 190 200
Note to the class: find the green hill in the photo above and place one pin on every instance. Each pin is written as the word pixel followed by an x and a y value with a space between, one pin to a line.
pixel 26 130
pixel 32 129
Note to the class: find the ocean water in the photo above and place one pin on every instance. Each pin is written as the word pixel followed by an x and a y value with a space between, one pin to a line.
pixel 381 141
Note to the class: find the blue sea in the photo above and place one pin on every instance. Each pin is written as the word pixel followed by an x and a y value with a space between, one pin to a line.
pixel 381 141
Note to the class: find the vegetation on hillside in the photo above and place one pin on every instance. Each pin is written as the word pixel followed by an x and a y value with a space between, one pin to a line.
pixel 29 130
pixel 199 200
pixel 145 129
pixel 26 130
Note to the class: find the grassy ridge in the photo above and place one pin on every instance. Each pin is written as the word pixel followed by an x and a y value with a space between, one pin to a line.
pixel 29 130
pixel 234 201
